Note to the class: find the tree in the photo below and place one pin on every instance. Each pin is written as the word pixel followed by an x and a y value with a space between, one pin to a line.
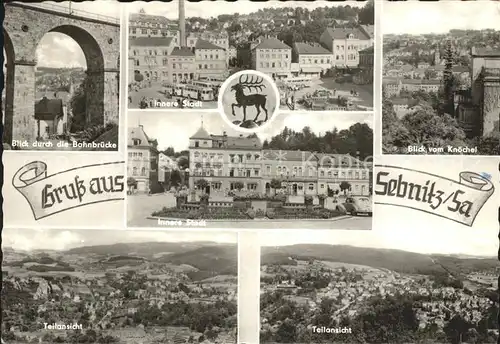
pixel 138 77
pixel 366 15
pixel 238 185
pixel 456 328
pixel 131 181
pixel 275 184
pixel 175 178
pixel 78 104
pixel 183 162
pixel 448 80
pixel 201 184
pixel 345 186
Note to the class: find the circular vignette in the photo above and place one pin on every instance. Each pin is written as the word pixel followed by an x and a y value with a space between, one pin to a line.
pixel 227 83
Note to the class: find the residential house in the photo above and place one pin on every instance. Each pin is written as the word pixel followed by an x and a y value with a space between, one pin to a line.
pixel 182 65
pixel 149 56
pixel 211 60
pixel 313 59
pixel 273 57
pixel 345 43
pixel 142 163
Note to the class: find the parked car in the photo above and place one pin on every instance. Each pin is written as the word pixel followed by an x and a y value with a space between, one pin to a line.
pixel 356 206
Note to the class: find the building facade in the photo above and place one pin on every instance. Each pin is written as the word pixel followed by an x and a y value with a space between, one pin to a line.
pixel 273 57
pixel 147 25
pixel 181 65
pixel 142 164
pixel 313 59
pixel 149 56
pixel 211 60
pixel 345 44
pixel 233 163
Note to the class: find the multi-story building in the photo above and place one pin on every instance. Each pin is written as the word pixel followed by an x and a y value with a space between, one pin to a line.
pixel 166 162
pixel 485 81
pixel 142 164
pixel 228 163
pixel 273 57
pixel 211 60
pixel 345 43
pixel 146 25
pixel 313 59
pixel 366 62
pixel 149 56
pixel 220 39
pixel 413 85
pixel 182 65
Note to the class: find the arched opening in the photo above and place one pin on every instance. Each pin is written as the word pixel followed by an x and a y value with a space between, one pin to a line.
pixel 60 94
pixel 90 90
pixel 8 89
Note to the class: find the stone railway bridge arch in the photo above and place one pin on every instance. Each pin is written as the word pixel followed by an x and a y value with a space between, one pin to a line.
pixel 24 27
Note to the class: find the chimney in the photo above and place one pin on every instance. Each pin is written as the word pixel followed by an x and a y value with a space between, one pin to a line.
pixel 182 24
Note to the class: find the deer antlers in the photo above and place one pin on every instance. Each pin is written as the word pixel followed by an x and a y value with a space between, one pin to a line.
pixel 251 83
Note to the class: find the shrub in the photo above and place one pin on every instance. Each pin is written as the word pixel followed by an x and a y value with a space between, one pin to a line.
pixel 270 214
pixel 194 215
pixel 250 213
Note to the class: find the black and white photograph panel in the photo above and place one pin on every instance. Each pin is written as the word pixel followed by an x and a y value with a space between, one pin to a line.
pixel 383 286
pixel 61 65
pixel 441 77
pixel 118 286
pixel 320 54
pixel 301 171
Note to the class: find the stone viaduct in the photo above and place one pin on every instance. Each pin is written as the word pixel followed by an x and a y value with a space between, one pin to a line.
pixel 99 38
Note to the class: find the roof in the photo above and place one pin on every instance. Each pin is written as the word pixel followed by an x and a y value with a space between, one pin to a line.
pixel 150 41
pixel 337 160
pixel 203 44
pixel 201 134
pixel 243 142
pixel 421 82
pixel 485 52
pixel 182 52
pixel 342 33
pixel 138 133
pixel 369 50
pixel 307 49
pixel 143 17
pixel 48 108
pixel 369 29
pixel 272 43
pixel 460 69
pixel 400 101
pixel 286 155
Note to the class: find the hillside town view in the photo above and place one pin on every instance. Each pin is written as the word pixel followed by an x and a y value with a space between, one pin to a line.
pixel 376 296
pixel 321 57
pixel 440 89
pixel 206 171
pixel 75 107
pixel 128 288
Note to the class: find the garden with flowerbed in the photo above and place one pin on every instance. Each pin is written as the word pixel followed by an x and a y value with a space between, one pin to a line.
pixel 242 208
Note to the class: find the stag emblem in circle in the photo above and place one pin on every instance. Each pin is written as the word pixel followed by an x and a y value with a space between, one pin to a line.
pixel 251 82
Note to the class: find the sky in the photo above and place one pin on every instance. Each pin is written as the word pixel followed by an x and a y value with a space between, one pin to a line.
pixel 425 239
pixel 174 129
pixel 58 50
pixel 192 9
pixel 419 17
pixel 58 239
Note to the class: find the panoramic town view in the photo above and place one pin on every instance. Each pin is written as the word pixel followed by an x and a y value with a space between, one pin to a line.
pixel 124 287
pixel 441 81
pixel 69 101
pixel 366 289
pixel 203 173
pixel 320 54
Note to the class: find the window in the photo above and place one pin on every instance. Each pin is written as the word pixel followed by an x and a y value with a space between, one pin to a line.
pixel 231 172
pixel 143 171
pixel 248 173
pixel 268 169
pixel 134 171
pixel 322 173
pixel 256 172
pixel 311 187
pixel 197 143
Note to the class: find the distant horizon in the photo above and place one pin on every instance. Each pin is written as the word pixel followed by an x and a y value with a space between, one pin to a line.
pixel 62 240
pixel 460 255
pixel 192 9
pixel 417 17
